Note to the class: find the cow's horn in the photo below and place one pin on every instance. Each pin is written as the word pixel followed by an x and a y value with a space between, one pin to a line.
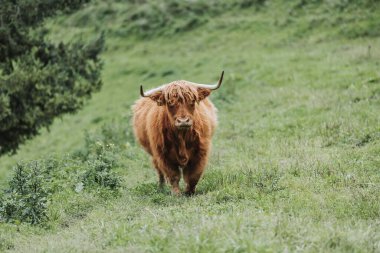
pixel 210 86
pixel 148 93
pixel 142 91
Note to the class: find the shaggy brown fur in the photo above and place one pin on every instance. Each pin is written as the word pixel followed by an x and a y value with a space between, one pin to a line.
pixel 158 123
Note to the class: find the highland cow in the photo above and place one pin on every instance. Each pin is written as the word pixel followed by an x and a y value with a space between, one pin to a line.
pixel 174 123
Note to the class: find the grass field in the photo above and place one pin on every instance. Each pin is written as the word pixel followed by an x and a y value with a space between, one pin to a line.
pixel 295 165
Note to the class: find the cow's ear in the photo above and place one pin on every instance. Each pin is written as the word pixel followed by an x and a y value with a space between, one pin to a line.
pixel 158 97
pixel 203 93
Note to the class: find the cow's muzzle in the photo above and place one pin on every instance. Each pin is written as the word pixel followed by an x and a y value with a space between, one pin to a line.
pixel 183 123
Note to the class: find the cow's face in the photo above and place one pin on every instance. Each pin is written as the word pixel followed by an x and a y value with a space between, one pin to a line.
pixel 180 104
pixel 180 112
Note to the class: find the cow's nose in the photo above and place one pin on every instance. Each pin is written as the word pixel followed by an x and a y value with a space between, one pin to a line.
pixel 182 121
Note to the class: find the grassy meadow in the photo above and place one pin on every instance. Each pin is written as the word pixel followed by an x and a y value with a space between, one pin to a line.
pixel 295 164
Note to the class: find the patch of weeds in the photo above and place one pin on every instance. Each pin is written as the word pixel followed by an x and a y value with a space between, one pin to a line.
pixel 295 170
pixel 100 154
pixel 324 171
pixel 366 203
pixel 26 199
pixel 360 139
pixel 364 140
pixel 36 185
pixel 265 180
pixel 99 168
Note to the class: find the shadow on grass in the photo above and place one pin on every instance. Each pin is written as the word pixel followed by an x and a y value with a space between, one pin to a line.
pixel 157 195
pixel 219 187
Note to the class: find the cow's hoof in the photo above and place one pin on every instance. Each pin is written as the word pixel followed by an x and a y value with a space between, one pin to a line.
pixel 176 192
pixel 189 193
pixel 161 186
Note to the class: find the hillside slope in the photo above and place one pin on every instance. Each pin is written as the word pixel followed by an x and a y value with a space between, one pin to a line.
pixel 295 163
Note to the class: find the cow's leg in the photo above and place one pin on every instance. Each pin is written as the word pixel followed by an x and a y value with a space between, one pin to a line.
pixel 194 169
pixel 161 178
pixel 193 172
pixel 174 176
pixel 171 172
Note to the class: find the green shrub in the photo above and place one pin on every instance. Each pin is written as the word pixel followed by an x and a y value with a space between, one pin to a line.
pixel 39 80
pixel 26 199
pixel 99 168
pixel 35 185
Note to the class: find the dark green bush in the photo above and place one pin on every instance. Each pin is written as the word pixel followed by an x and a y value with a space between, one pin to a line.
pixel 40 81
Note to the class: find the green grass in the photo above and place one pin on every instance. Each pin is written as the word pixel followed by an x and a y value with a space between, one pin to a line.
pixel 295 161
